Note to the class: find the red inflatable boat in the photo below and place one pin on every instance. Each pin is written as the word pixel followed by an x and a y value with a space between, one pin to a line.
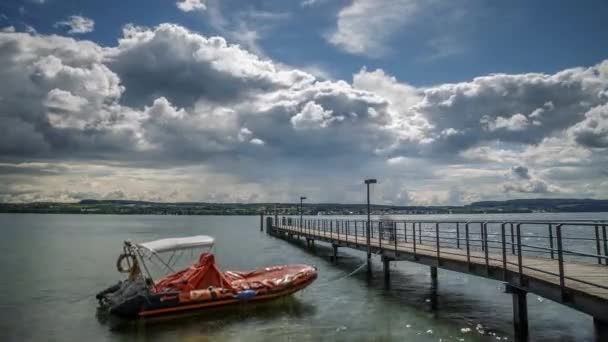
pixel 201 285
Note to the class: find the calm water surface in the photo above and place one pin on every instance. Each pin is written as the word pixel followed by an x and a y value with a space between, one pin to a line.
pixel 52 266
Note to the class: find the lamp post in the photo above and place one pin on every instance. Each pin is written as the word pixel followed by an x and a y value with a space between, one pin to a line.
pixel 368 228
pixel 302 198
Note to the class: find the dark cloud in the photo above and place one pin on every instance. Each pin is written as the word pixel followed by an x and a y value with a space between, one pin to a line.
pixel 520 172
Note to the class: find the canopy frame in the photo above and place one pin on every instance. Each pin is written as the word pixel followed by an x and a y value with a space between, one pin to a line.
pixel 151 250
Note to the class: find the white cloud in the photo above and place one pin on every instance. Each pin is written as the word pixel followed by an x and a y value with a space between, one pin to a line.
pixel 257 141
pixel 166 98
pixel 77 24
pixel 517 122
pixel 593 131
pixel 312 116
pixel 309 3
pixel 363 26
pixel 30 29
pixel 191 5
pixel 244 26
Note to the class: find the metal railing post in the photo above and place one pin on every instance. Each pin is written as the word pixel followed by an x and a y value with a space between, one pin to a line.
pixel 481 227
pixel 512 240
pixel 420 232
pixel 485 242
pixel 414 238
pixel 356 232
pixel 458 235
pixel 437 242
pixel 404 231
pixel 605 243
pixel 466 235
pixel 551 240
pixel 395 236
pixel 597 244
pixel 380 234
pixel 520 265
pixel 560 258
pixel 504 251
pixel 338 229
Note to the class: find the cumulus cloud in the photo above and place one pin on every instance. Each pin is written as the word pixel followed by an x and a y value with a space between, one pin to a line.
pixel 77 24
pixel 166 97
pixel 593 130
pixel 517 122
pixel 532 187
pixel 520 180
pixel 313 116
pixel 191 5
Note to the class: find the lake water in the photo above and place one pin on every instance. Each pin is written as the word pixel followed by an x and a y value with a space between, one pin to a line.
pixel 52 266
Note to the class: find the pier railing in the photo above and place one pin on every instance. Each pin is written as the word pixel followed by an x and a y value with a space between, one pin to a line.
pixel 550 248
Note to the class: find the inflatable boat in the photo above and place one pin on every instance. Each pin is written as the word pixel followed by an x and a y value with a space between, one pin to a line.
pixel 201 285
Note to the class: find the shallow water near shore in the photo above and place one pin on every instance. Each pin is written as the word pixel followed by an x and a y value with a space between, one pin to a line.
pixel 54 264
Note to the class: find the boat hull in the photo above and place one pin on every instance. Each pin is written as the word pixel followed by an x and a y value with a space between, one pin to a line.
pixel 174 306
pixel 175 294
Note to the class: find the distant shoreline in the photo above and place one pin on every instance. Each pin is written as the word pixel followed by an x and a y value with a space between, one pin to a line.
pixel 126 207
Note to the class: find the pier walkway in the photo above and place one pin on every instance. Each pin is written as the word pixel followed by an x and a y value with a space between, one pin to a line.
pixel 565 261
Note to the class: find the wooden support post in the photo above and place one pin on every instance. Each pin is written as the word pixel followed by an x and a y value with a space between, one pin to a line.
pixel 335 247
pixel 600 330
pixel 520 313
pixel 262 222
pixel 269 225
pixel 386 267
pixel 434 287
pixel 433 277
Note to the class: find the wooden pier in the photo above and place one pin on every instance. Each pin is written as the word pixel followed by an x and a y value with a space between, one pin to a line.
pixel 565 261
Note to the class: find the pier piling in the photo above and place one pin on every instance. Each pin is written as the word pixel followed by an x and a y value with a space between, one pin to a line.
pixel 386 264
pixel 335 247
pixel 600 329
pixel 269 224
pixel 520 313
pixel 262 222
pixel 434 277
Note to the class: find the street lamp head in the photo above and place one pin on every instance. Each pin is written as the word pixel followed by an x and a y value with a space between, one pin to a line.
pixel 370 181
pixel 302 198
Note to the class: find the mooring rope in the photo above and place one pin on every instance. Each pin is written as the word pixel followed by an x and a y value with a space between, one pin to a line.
pixel 359 268
pixel 348 275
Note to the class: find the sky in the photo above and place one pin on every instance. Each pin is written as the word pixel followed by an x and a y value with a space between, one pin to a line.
pixel 444 102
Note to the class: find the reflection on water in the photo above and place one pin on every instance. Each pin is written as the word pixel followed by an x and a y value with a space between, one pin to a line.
pixel 208 320
pixel 57 263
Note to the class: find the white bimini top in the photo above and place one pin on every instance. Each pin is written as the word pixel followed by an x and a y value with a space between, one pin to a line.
pixel 175 244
